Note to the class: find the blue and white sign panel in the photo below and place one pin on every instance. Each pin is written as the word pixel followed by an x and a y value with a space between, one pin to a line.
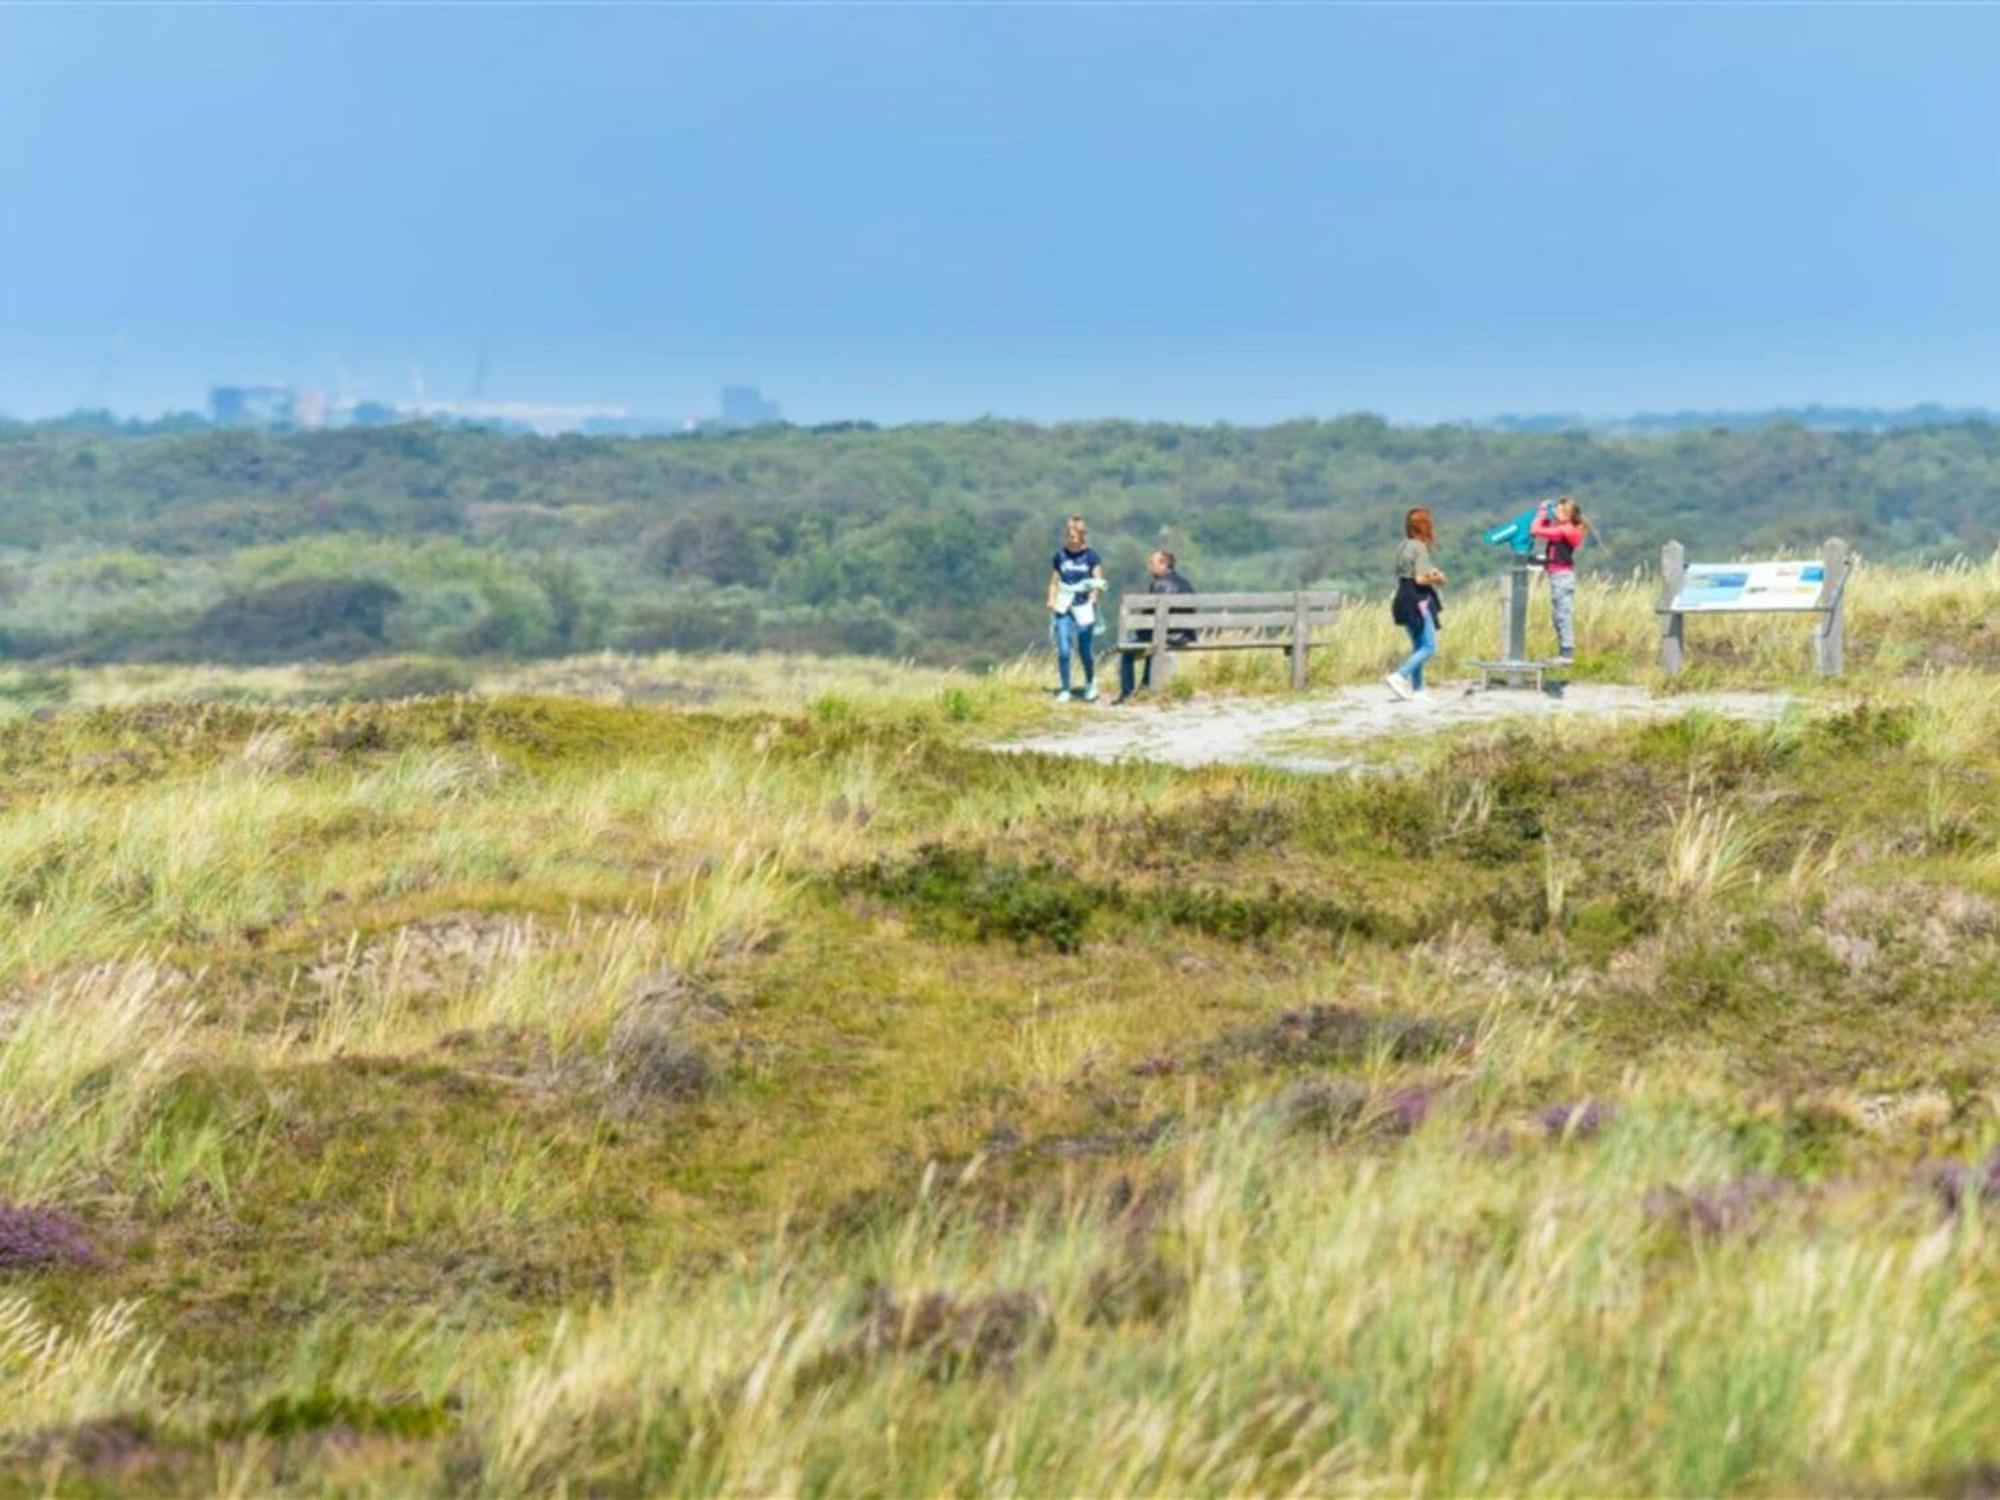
pixel 1746 586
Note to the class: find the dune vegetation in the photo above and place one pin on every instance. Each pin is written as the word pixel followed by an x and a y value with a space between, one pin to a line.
pixel 178 543
pixel 728 1075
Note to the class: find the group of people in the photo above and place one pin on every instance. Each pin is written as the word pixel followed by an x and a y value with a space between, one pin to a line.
pixel 1077 584
pixel 1076 580
pixel 1558 524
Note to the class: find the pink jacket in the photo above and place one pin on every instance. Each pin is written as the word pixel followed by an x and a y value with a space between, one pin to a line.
pixel 1566 539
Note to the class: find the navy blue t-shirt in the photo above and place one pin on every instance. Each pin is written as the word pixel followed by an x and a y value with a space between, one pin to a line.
pixel 1074 567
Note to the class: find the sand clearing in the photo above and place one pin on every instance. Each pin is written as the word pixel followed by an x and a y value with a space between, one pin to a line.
pixel 1322 731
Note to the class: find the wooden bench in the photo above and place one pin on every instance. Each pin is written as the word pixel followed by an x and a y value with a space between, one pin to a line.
pixel 1223 622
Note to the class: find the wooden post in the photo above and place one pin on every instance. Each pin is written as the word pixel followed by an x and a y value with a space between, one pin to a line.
pixel 1301 643
pixel 1157 661
pixel 1830 633
pixel 1673 570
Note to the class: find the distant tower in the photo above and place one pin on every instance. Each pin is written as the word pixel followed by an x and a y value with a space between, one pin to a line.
pixel 250 405
pixel 745 406
pixel 225 405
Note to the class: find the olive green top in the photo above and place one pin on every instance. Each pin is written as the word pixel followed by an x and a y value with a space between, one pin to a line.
pixel 1413 559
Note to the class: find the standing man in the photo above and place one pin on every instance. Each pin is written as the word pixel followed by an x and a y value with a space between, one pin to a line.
pixel 1164 580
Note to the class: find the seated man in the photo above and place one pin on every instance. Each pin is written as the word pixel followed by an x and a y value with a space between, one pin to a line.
pixel 1164 581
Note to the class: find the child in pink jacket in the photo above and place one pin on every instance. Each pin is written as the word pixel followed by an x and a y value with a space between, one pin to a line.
pixel 1562 526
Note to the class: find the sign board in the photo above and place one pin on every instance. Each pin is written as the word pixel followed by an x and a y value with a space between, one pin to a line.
pixel 1721 587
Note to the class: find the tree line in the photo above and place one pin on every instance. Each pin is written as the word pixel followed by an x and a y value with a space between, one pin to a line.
pixel 932 541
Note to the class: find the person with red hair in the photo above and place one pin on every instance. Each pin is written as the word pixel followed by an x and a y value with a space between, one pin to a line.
pixel 1417 607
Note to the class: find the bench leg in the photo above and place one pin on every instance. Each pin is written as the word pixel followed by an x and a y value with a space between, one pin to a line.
pixel 1301 636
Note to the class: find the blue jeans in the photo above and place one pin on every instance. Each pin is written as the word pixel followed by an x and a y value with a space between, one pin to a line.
pixel 1072 637
pixel 1424 638
pixel 1134 667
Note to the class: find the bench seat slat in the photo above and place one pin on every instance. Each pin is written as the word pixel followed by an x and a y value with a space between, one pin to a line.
pixel 1314 599
pixel 1140 648
pixel 1219 620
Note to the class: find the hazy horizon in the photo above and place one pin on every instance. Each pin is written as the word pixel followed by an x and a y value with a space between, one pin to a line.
pixel 1065 213
pixel 1511 420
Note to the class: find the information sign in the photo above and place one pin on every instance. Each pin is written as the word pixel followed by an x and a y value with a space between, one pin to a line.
pixel 1717 587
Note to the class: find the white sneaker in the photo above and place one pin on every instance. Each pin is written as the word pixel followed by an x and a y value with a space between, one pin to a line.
pixel 1421 695
pixel 1064 696
pixel 1090 693
pixel 1399 685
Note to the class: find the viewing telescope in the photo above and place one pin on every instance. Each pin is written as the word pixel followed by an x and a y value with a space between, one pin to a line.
pixel 1514 668
pixel 1517 534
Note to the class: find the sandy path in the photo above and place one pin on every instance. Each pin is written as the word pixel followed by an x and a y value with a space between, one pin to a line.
pixel 1324 731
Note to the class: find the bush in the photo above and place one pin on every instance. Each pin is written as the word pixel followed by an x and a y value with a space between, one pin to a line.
pixel 699 624
pixel 716 546
pixel 394 680
pixel 305 619
pixel 36 688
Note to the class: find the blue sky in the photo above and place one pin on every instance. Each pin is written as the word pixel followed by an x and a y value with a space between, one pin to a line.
pixel 909 212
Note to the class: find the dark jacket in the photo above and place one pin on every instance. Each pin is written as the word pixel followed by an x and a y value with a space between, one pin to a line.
pixel 1409 595
pixel 1170 582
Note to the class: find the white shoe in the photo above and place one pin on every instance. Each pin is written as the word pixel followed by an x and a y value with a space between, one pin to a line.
pixel 1421 695
pixel 1399 685
pixel 1090 693
pixel 1064 696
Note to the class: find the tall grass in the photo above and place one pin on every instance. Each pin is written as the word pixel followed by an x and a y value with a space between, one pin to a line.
pixel 79 1061
pixel 764 681
pixel 1899 619
pixel 51 1376
pixel 568 1279
pixel 1709 851
pixel 1446 1323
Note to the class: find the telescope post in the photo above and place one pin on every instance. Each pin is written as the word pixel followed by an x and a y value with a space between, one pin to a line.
pixel 1514 602
pixel 1514 668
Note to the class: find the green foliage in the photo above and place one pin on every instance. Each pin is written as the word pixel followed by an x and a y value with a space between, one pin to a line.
pixel 422 677
pixel 959 889
pixel 716 622
pixel 926 540
pixel 323 1410
pixel 35 688
pixel 301 619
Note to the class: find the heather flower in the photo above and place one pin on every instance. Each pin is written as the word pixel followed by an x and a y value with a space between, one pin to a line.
pixel 35 1239
pixel 1720 1209
pixel 1408 1107
pixel 1582 1120
pixel 1963 1185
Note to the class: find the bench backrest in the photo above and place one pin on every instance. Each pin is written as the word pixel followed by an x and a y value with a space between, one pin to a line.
pixel 1227 611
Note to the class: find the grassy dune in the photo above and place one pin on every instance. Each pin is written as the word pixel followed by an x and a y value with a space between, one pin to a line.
pixel 1902 622
pixel 707 1076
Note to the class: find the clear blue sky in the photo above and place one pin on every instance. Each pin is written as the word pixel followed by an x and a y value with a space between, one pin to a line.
pixel 912 212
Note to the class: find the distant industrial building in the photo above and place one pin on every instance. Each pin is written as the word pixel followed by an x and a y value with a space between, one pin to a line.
pixel 251 405
pixel 284 406
pixel 297 407
pixel 745 406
